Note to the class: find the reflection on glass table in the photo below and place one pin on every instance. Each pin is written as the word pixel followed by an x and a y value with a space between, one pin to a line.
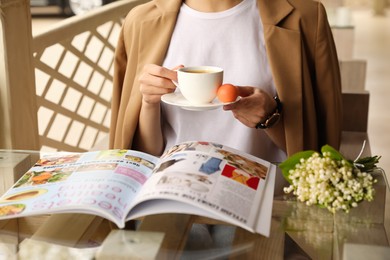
pixel 297 230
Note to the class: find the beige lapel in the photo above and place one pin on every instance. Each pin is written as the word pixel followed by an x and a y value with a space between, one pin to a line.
pixel 154 45
pixel 154 39
pixel 285 59
pixel 151 49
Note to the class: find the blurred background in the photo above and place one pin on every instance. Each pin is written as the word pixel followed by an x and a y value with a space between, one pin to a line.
pixel 65 7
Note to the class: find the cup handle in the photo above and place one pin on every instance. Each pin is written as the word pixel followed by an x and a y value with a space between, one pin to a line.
pixel 175 83
pixel 176 69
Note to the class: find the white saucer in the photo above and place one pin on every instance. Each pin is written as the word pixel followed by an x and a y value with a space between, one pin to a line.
pixel 177 99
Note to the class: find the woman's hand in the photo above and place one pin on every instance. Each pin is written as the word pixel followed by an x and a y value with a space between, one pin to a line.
pixel 156 81
pixel 255 106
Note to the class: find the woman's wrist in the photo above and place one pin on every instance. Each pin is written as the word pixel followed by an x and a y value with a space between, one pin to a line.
pixel 150 105
pixel 273 118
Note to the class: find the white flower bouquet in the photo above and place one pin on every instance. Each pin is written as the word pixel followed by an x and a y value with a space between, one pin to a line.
pixel 329 180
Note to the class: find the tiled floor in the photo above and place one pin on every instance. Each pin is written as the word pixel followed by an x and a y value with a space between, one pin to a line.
pixel 372 43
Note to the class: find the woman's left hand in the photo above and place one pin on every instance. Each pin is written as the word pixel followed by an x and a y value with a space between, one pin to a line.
pixel 255 106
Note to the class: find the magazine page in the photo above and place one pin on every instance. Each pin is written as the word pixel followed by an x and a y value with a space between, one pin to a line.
pixel 161 206
pixel 102 183
pixel 212 177
pixel 263 225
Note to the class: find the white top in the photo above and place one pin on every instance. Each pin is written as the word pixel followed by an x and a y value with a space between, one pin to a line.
pixel 233 40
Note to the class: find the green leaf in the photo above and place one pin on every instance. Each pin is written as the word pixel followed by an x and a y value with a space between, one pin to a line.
pixel 334 154
pixel 292 161
pixel 367 163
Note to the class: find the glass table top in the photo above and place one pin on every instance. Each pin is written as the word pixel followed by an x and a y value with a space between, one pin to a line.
pixel 297 230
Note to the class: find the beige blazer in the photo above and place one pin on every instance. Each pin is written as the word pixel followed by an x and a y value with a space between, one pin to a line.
pixel 301 54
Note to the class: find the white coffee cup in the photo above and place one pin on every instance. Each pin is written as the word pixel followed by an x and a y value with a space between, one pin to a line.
pixel 199 84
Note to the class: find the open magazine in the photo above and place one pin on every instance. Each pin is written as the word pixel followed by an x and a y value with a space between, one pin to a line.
pixel 199 178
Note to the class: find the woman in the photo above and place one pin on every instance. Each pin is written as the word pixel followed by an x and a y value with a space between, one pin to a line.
pixel 274 50
pixel 279 49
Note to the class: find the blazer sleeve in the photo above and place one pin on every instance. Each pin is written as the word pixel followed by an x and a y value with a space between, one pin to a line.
pixel 329 106
pixel 120 60
pixel 136 47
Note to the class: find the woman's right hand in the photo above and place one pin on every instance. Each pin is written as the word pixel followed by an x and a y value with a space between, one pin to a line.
pixel 156 81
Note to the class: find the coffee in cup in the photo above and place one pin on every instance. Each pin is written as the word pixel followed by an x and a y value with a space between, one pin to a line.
pixel 199 84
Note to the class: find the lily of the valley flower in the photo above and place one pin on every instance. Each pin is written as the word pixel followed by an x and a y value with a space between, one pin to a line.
pixel 328 179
